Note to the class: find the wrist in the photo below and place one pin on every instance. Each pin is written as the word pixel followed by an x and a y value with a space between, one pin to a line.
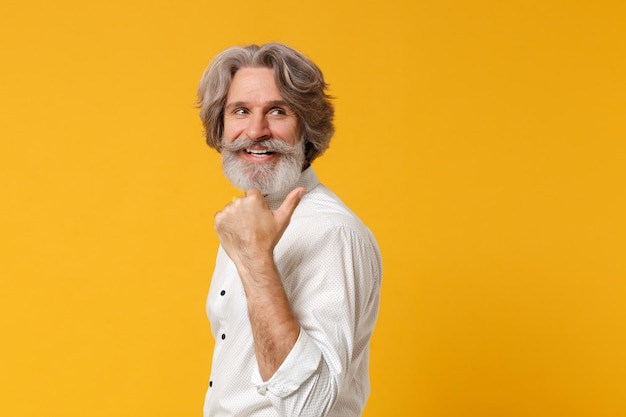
pixel 257 270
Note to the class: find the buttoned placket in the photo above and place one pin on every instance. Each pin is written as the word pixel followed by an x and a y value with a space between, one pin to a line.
pixel 219 309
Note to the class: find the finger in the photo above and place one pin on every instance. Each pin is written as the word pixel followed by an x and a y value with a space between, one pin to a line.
pixel 218 219
pixel 252 192
pixel 284 212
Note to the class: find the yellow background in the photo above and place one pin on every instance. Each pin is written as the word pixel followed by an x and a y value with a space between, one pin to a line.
pixel 483 142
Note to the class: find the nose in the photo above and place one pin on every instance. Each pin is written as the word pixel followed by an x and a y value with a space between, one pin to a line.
pixel 258 127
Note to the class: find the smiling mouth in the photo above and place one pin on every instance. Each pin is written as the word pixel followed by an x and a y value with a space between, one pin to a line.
pixel 256 152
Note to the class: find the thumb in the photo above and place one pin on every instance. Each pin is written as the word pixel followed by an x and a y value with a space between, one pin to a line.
pixel 284 212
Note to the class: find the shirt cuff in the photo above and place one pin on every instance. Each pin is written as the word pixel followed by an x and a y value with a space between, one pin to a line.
pixel 298 366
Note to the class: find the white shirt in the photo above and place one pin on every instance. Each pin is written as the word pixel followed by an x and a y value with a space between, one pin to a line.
pixel 330 266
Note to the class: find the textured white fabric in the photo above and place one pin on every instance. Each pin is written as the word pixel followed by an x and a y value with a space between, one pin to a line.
pixel 330 266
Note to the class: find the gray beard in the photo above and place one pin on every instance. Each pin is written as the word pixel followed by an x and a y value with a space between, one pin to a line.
pixel 268 178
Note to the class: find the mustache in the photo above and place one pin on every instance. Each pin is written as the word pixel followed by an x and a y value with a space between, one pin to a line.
pixel 272 145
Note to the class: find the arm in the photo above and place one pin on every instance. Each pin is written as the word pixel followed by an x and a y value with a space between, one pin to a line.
pixel 248 232
pixel 331 279
pixel 334 302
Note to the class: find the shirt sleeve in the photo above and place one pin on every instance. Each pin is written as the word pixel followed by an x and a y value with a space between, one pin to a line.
pixel 332 285
pixel 300 364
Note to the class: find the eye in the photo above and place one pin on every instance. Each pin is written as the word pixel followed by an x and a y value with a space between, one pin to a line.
pixel 277 111
pixel 240 111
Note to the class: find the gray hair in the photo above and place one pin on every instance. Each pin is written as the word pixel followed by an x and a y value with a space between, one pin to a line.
pixel 299 80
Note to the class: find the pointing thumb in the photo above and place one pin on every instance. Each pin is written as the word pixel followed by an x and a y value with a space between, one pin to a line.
pixel 284 212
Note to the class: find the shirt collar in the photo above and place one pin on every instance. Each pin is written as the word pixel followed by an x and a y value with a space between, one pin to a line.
pixel 307 179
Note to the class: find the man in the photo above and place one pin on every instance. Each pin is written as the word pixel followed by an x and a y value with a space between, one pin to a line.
pixel 295 291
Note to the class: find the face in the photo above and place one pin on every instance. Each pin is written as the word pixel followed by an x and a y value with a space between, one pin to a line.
pixel 261 144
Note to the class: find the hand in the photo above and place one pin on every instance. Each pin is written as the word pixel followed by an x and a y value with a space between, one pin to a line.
pixel 248 230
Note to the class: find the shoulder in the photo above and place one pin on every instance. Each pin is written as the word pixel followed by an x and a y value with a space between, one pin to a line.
pixel 322 218
pixel 327 243
pixel 322 206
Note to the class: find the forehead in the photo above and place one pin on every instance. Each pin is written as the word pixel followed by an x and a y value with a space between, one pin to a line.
pixel 253 84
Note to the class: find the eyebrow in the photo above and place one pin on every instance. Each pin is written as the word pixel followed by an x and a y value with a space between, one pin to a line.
pixel 272 103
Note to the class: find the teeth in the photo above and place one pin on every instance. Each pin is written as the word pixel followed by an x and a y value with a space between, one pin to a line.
pixel 257 152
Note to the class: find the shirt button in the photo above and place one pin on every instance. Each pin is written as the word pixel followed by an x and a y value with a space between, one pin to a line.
pixel 223 336
pixel 222 292
pixel 210 383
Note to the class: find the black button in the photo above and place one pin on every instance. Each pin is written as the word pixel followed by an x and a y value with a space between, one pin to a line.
pixel 223 336
pixel 222 292
pixel 210 383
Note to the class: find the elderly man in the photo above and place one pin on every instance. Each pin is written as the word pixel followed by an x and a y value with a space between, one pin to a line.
pixel 295 292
